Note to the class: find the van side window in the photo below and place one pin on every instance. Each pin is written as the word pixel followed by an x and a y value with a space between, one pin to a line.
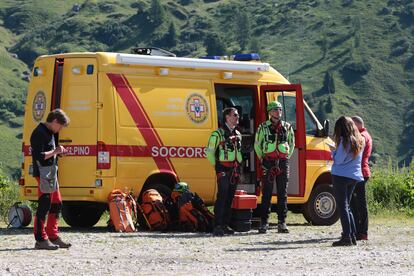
pixel 310 123
pixel 289 109
pixel 242 99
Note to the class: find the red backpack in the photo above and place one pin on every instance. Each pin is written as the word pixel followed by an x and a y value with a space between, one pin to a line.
pixel 122 211
pixel 152 206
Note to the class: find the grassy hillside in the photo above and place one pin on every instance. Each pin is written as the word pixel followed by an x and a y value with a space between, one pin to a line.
pixel 12 96
pixel 352 57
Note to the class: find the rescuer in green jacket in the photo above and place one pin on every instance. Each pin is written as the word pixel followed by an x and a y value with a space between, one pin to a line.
pixel 224 153
pixel 274 144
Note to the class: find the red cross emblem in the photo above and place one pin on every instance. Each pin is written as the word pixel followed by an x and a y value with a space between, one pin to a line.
pixel 197 108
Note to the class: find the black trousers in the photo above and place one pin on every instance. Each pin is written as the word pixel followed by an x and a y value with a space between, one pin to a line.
pixel 225 194
pixel 359 207
pixel 281 186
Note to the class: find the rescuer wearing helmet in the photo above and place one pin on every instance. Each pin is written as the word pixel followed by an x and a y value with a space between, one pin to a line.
pixel 224 153
pixel 274 144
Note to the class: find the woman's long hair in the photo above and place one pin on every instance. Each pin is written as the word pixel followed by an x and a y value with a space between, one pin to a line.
pixel 346 129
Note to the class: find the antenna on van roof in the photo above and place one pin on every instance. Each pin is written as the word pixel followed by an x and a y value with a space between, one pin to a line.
pixel 152 51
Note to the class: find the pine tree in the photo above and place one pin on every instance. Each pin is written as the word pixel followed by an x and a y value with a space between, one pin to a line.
pixel 214 45
pixel 329 106
pixel 157 13
pixel 171 36
pixel 329 83
pixel 242 29
pixel 255 45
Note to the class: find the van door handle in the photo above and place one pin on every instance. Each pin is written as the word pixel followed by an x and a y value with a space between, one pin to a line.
pixel 65 140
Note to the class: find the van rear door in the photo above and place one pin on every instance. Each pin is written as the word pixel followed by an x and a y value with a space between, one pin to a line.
pixel 290 96
pixel 37 108
pixel 78 98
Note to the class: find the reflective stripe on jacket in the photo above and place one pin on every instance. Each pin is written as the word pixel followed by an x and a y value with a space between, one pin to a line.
pixel 224 146
pixel 267 140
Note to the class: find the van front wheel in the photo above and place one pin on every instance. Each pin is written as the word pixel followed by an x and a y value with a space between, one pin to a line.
pixel 321 207
pixel 81 214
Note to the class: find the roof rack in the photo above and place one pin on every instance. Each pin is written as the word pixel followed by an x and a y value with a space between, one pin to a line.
pixel 192 63
pixel 152 51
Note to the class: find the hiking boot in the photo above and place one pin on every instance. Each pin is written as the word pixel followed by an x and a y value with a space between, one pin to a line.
pixel 218 231
pixel 46 244
pixel 361 237
pixel 344 241
pixel 263 228
pixel 58 241
pixel 282 228
pixel 354 239
pixel 227 230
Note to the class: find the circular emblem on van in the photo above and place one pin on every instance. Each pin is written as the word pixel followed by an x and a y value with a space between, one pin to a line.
pixel 197 108
pixel 39 106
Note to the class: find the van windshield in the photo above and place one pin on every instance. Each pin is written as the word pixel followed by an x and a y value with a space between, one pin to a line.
pixel 311 122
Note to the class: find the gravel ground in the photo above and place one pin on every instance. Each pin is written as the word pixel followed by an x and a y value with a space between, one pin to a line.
pixel 306 250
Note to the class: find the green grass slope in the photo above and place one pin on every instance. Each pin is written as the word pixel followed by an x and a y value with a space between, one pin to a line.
pixel 352 57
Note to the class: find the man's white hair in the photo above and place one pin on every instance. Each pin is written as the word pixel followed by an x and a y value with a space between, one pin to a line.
pixel 358 120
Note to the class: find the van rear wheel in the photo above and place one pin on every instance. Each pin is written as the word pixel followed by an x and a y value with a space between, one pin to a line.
pixel 81 214
pixel 321 207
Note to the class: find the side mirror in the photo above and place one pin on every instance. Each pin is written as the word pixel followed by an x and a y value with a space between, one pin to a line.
pixel 326 128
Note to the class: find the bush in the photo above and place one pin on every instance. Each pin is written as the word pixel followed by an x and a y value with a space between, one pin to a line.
pixel 214 44
pixel 354 71
pixel 360 68
pixel 391 189
pixel 9 194
pixel 7 115
pixel 111 32
pixel 12 105
pixel 16 122
pixel 409 65
pixel 400 47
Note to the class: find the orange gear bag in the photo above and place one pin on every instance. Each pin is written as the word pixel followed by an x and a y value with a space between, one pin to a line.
pixel 193 215
pixel 122 211
pixel 154 210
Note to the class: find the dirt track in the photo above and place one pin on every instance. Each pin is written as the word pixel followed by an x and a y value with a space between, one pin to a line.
pixel 306 250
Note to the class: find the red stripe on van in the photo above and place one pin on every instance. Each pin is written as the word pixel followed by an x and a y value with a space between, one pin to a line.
pixel 133 151
pixel 140 118
pixel 149 151
pixel 318 155
pixel 73 150
pixel 160 143
pixel 148 120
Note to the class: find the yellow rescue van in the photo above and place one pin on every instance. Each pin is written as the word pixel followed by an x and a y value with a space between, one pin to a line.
pixel 143 121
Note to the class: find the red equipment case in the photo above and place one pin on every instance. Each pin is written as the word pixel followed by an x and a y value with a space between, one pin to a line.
pixel 242 200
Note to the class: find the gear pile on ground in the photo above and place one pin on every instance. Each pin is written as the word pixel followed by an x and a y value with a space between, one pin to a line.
pixel 181 211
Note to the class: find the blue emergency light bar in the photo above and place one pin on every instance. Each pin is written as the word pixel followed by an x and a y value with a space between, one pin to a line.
pixel 246 57
pixel 211 57
pixel 236 57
